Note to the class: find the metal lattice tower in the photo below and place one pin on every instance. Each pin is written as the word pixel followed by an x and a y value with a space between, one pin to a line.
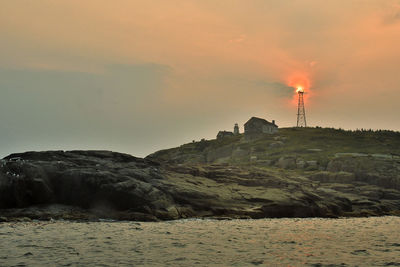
pixel 301 112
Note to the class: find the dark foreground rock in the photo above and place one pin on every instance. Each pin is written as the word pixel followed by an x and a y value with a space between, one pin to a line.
pixel 88 185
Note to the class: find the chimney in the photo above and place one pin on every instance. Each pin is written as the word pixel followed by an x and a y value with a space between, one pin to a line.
pixel 273 121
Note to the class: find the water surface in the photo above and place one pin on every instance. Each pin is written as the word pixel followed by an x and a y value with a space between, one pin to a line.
pixel 266 242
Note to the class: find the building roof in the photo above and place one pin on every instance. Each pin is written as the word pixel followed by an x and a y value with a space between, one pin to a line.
pixel 222 134
pixel 254 119
pixel 225 132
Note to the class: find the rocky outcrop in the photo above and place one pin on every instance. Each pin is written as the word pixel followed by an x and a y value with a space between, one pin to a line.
pixel 101 184
pixel 85 179
pixel 380 171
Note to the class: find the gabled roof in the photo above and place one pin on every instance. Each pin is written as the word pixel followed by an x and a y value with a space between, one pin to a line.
pixel 254 119
pixel 225 132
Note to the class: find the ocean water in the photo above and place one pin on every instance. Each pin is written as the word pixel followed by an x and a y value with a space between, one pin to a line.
pixel 265 242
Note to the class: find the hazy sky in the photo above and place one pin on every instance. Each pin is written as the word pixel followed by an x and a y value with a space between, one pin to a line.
pixel 138 76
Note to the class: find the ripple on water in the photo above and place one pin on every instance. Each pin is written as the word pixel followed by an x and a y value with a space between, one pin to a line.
pixel 266 242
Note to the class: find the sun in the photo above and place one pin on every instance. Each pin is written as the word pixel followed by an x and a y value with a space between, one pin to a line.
pixel 299 81
pixel 300 89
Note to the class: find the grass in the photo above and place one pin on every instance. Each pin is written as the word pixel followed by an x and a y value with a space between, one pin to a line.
pixel 298 142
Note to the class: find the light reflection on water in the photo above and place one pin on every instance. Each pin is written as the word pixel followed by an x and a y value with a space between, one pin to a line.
pixel 267 242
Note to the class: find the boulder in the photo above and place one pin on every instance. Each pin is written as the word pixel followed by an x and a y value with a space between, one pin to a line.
pixel 300 164
pixel 311 165
pixel 287 162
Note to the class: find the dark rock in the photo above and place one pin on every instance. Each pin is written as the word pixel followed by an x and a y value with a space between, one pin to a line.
pixel 85 179
pixel 93 185
pixel 287 162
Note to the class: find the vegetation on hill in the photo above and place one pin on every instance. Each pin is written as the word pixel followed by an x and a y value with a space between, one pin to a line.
pixel 306 144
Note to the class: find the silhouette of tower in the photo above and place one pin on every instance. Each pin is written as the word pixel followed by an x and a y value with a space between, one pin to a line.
pixel 301 112
pixel 236 129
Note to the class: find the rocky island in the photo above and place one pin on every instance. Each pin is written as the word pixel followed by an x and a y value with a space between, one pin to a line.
pixel 296 172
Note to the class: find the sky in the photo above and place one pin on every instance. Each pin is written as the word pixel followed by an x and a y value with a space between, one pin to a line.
pixel 138 76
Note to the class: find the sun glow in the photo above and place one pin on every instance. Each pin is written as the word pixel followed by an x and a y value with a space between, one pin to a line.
pixel 300 82
pixel 300 89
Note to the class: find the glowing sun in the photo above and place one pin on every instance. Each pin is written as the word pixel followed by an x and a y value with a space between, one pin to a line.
pixel 300 89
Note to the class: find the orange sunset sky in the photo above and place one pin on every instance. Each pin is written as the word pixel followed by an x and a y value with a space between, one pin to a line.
pixel 138 76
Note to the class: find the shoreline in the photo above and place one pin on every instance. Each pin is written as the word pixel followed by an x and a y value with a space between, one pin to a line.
pixel 21 215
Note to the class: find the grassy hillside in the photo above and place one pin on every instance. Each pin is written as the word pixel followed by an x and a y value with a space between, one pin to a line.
pixel 308 144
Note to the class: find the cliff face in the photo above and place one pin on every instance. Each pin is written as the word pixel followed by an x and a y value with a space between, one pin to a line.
pixel 102 184
pixel 100 180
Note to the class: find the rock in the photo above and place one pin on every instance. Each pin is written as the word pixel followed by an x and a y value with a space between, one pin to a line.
pixel 276 144
pixel 378 171
pixel 264 162
pixel 287 162
pixel 221 152
pixel 376 155
pixel 239 153
pixel 334 177
pixel 222 160
pixel 337 155
pixel 382 156
pixel 300 164
pixel 85 179
pixel 350 164
pixel 23 219
pixel 312 165
pixel 280 138
pixel 170 213
pixel 314 150
pixel 94 185
pixel 391 194
pixel 41 191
